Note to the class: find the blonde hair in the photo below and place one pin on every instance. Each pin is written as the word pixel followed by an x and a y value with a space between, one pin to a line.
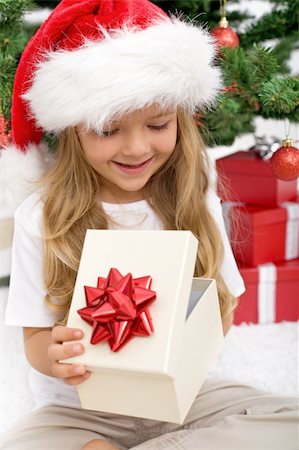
pixel 176 192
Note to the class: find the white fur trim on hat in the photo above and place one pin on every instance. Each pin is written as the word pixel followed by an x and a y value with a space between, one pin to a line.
pixel 18 173
pixel 169 63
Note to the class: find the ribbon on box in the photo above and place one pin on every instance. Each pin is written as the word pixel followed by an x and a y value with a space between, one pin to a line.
pixel 118 308
pixel 292 230
pixel 267 277
pixel 265 146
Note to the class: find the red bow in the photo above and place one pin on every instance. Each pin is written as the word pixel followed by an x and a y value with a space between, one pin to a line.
pixel 117 308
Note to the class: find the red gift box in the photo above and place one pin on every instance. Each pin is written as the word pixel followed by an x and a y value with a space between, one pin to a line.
pixel 248 178
pixel 272 293
pixel 259 235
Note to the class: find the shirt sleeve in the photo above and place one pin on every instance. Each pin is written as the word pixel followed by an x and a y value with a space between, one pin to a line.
pixel 229 269
pixel 26 305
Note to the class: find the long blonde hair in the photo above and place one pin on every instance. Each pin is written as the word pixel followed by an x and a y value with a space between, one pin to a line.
pixel 176 192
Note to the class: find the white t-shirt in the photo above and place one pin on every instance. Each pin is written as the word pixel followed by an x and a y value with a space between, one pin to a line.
pixel 25 305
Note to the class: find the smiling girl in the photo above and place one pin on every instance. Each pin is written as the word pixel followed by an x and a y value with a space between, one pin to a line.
pixel 130 151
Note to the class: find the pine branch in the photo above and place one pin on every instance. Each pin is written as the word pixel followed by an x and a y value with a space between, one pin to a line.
pixel 283 50
pixel 231 118
pixel 7 70
pixel 13 38
pixel 263 62
pixel 11 11
pixel 280 98
pixel 248 69
pixel 280 22
pixel 253 88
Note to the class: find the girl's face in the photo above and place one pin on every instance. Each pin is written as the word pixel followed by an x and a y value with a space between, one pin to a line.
pixel 131 151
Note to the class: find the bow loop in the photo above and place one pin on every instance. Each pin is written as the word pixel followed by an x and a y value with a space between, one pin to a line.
pixel 117 309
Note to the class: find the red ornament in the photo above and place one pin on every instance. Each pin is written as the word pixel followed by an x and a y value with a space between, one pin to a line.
pixel 285 161
pixel 225 35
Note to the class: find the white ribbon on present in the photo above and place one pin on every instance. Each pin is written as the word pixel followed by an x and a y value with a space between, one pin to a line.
pixel 292 230
pixel 267 276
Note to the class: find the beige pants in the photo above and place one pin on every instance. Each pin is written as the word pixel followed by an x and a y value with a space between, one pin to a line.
pixel 224 416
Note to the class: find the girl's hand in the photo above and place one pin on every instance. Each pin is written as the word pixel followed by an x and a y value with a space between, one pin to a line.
pixel 72 374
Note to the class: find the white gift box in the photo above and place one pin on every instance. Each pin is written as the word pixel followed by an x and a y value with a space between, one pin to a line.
pixel 157 376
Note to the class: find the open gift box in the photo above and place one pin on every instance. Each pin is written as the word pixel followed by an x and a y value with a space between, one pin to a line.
pixel 156 376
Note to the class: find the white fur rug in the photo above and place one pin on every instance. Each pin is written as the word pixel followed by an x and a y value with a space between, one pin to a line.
pixel 265 356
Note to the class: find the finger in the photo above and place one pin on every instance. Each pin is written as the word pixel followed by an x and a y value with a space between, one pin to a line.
pixel 77 380
pixel 57 352
pixel 67 370
pixel 61 333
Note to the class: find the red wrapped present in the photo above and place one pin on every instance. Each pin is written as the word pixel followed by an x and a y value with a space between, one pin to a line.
pixel 259 235
pixel 272 293
pixel 248 178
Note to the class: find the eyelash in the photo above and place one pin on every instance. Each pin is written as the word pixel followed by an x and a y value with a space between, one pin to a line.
pixel 159 127
pixel 152 127
pixel 109 133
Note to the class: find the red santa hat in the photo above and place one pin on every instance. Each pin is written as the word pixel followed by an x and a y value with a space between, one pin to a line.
pixel 94 59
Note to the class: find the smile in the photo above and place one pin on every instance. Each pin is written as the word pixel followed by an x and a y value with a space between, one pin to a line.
pixel 133 168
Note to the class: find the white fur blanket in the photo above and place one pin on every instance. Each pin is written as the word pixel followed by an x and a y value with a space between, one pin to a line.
pixel 265 356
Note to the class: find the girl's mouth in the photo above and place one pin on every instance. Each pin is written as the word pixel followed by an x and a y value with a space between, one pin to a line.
pixel 133 169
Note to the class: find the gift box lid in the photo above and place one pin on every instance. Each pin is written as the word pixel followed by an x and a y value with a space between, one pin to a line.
pixel 285 271
pixel 262 215
pixel 247 162
pixel 169 258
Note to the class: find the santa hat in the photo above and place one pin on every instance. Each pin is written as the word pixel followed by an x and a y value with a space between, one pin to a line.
pixel 94 59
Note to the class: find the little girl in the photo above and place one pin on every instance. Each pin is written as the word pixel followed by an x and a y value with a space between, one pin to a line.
pixel 118 82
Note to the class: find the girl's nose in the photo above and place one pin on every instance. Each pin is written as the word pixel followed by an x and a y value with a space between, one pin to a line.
pixel 135 145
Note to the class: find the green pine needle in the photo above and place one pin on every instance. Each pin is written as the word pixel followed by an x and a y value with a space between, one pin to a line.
pixel 279 97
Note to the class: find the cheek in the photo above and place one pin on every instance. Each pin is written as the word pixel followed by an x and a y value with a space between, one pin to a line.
pixel 95 152
pixel 168 142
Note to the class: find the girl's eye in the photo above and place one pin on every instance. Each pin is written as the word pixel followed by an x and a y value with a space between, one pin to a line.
pixel 103 134
pixel 109 132
pixel 159 127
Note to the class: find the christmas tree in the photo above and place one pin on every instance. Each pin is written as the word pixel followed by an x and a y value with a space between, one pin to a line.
pixel 14 34
pixel 256 77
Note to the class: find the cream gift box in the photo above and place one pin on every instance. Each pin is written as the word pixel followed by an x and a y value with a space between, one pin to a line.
pixel 158 376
